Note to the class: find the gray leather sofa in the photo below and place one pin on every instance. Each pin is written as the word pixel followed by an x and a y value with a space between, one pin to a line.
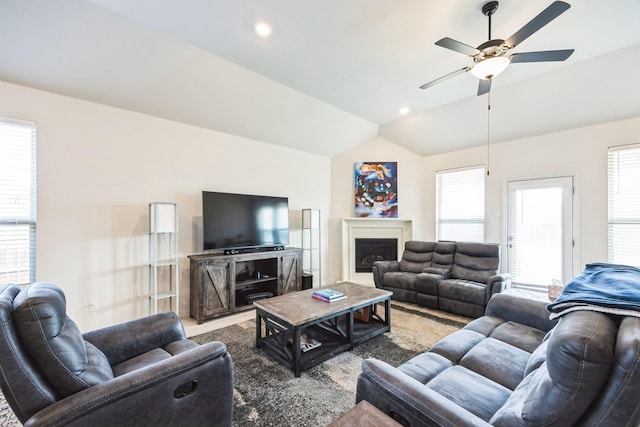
pixel 457 277
pixel 515 367
pixel 143 372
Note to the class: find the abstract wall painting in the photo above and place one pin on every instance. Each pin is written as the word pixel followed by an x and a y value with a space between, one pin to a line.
pixel 376 194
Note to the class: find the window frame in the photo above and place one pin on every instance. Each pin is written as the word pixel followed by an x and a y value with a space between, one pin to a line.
pixel 460 219
pixel 619 208
pixel 10 190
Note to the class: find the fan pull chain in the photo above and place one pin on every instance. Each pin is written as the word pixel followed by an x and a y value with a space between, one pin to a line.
pixel 488 129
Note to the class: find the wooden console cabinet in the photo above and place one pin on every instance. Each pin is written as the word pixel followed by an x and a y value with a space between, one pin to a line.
pixel 223 284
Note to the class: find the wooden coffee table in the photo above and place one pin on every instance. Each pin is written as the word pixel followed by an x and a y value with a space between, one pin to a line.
pixel 282 321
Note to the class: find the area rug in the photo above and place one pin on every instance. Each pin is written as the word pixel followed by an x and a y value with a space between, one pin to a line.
pixel 266 393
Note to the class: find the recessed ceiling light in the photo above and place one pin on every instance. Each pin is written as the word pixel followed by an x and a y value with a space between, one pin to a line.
pixel 263 29
pixel 404 111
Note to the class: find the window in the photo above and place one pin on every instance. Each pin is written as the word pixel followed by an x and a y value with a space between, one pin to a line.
pixel 17 201
pixel 624 205
pixel 460 204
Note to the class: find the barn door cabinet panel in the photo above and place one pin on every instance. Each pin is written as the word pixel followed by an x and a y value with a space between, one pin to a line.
pixel 291 273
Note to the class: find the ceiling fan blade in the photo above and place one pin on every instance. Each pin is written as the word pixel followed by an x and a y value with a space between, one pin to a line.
pixel 457 46
pixel 545 56
pixel 445 77
pixel 549 14
pixel 484 86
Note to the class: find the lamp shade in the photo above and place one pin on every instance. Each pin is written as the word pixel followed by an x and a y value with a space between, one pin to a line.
pixel 491 67
pixel 162 217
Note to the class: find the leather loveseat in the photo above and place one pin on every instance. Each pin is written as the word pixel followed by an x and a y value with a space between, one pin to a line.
pixel 457 277
pixel 142 372
pixel 515 367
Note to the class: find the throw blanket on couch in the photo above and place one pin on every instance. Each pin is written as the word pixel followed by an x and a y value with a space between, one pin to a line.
pixel 608 288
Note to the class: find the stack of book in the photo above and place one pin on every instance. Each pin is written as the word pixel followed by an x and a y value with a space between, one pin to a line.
pixel 328 295
pixel 307 343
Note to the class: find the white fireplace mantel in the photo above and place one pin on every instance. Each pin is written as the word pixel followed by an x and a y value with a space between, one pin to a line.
pixel 370 228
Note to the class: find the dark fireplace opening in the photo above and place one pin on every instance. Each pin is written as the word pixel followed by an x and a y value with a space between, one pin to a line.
pixel 370 250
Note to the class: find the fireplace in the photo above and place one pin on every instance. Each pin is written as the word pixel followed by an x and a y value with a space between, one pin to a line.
pixel 368 229
pixel 370 250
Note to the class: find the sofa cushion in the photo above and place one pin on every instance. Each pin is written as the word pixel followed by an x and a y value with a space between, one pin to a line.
pixel 417 256
pixel 487 398
pixel 463 290
pixel 400 280
pixel 54 341
pixel 497 360
pixel 153 356
pixel 457 344
pixel 443 253
pixel 426 366
pixel 475 262
pixel 419 246
pixel 518 335
pixel 579 357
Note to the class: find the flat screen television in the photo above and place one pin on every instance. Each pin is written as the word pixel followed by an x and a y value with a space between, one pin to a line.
pixel 232 221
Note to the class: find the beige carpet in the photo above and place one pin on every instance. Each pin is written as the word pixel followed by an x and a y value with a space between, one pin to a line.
pixel 267 394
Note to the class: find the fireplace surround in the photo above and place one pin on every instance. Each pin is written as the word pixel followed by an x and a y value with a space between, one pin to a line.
pixel 370 228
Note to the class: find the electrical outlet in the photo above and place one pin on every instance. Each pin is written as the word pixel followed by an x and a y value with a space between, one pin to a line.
pixel 93 306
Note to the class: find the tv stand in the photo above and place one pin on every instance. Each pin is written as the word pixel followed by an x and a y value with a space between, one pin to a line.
pixel 227 283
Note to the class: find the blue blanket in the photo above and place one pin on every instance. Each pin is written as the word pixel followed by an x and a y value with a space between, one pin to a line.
pixel 610 288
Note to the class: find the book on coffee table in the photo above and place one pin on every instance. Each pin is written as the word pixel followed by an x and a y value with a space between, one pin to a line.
pixel 328 295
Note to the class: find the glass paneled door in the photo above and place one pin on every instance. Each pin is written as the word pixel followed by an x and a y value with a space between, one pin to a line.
pixel 540 244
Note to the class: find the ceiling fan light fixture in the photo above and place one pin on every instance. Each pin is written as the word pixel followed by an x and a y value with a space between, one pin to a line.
pixel 490 67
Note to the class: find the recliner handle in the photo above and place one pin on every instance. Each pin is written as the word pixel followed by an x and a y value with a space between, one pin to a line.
pixel 185 389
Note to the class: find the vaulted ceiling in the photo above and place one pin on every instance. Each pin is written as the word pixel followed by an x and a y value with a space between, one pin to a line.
pixel 334 73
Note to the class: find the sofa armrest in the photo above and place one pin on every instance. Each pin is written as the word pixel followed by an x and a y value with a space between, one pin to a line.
pixel 496 284
pixel 380 268
pixel 164 393
pixel 407 400
pixel 521 310
pixel 127 340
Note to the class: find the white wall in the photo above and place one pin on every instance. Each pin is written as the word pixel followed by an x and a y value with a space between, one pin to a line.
pixel 581 152
pixel 98 169
pixel 411 199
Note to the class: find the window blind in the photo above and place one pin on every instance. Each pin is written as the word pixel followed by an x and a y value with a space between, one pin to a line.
pixel 624 205
pixel 460 204
pixel 17 201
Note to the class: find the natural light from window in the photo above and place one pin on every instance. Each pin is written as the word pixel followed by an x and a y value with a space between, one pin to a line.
pixel 460 205
pixel 537 234
pixel 624 205
pixel 17 201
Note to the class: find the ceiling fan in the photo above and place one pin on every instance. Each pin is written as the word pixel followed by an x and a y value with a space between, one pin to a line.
pixel 492 57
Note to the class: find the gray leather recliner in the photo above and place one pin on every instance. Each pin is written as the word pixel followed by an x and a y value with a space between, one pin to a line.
pixel 142 372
